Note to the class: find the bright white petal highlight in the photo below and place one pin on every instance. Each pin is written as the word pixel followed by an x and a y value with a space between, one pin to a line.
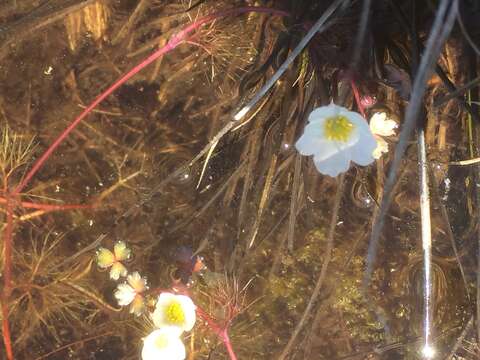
pixel 163 344
pixel 138 283
pixel 381 125
pixel 382 148
pixel 124 294
pixel 130 293
pixel 333 147
pixel 176 311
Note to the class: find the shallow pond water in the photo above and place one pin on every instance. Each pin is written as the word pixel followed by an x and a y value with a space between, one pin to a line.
pixel 284 247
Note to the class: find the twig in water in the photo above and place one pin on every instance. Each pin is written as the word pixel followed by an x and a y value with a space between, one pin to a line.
pixel 465 162
pixel 459 341
pixel 426 243
pixel 174 41
pixel 317 27
pixel 444 21
pixel 323 271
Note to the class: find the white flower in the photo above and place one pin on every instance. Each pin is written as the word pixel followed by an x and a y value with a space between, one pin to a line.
pixel 106 259
pixel 381 126
pixel 177 311
pixel 130 293
pixel 335 136
pixel 164 344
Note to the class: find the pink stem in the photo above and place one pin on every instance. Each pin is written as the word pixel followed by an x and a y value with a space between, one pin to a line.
pixel 356 94
pixel 228 345
pixel 210 322
pixel 219 331
pixel 50 207
pixel 174 41
pixel 7 278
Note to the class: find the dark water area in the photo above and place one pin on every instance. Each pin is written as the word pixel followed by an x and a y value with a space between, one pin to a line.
pixel 284 249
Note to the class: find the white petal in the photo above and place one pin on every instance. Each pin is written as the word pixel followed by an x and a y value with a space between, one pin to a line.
pixel 323 112
pixel 361 152
pixel 117 270
pixel 381 125
pixel 353 116
pixel 163 344
pixel 328 148
pixel 310 141
pixel 137 282
pixel 334 165
pixel 359 122
pixel 138 305
pixel 189 311
pixel 382 147
pixel 124 294
pixel 313 141
pixel 333 157
pixel 165 300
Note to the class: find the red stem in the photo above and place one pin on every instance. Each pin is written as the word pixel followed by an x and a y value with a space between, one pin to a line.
pixel 356 94
pixel 7 278
pixel 228 345
pixel 174 41
pixel 219 331
pixel 50 207
pixel 210 322
pixel 7 340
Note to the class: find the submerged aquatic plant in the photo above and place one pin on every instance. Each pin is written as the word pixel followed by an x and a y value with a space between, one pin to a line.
pixel 336 136
pixel 259 186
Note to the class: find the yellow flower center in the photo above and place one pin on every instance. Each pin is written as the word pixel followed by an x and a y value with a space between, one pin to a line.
pixel 338 128
pixel 175 314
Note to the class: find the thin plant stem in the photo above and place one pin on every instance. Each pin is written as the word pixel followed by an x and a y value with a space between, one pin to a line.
pixel 7 339
pixel 426 243
pixel 221 332
pixel 50 207
pixel 82 341
pixel 362 31
pixel 323 271
pixel 210 322
pixel 460 339
pixel 319 24
pixel 443 24
pixel 356 94
pixel 7 278
pixel 174 41
pixel 228 345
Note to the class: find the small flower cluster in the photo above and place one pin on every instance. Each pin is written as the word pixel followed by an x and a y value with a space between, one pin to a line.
pixel 131 291
pixel 173 313
pixel 336 136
